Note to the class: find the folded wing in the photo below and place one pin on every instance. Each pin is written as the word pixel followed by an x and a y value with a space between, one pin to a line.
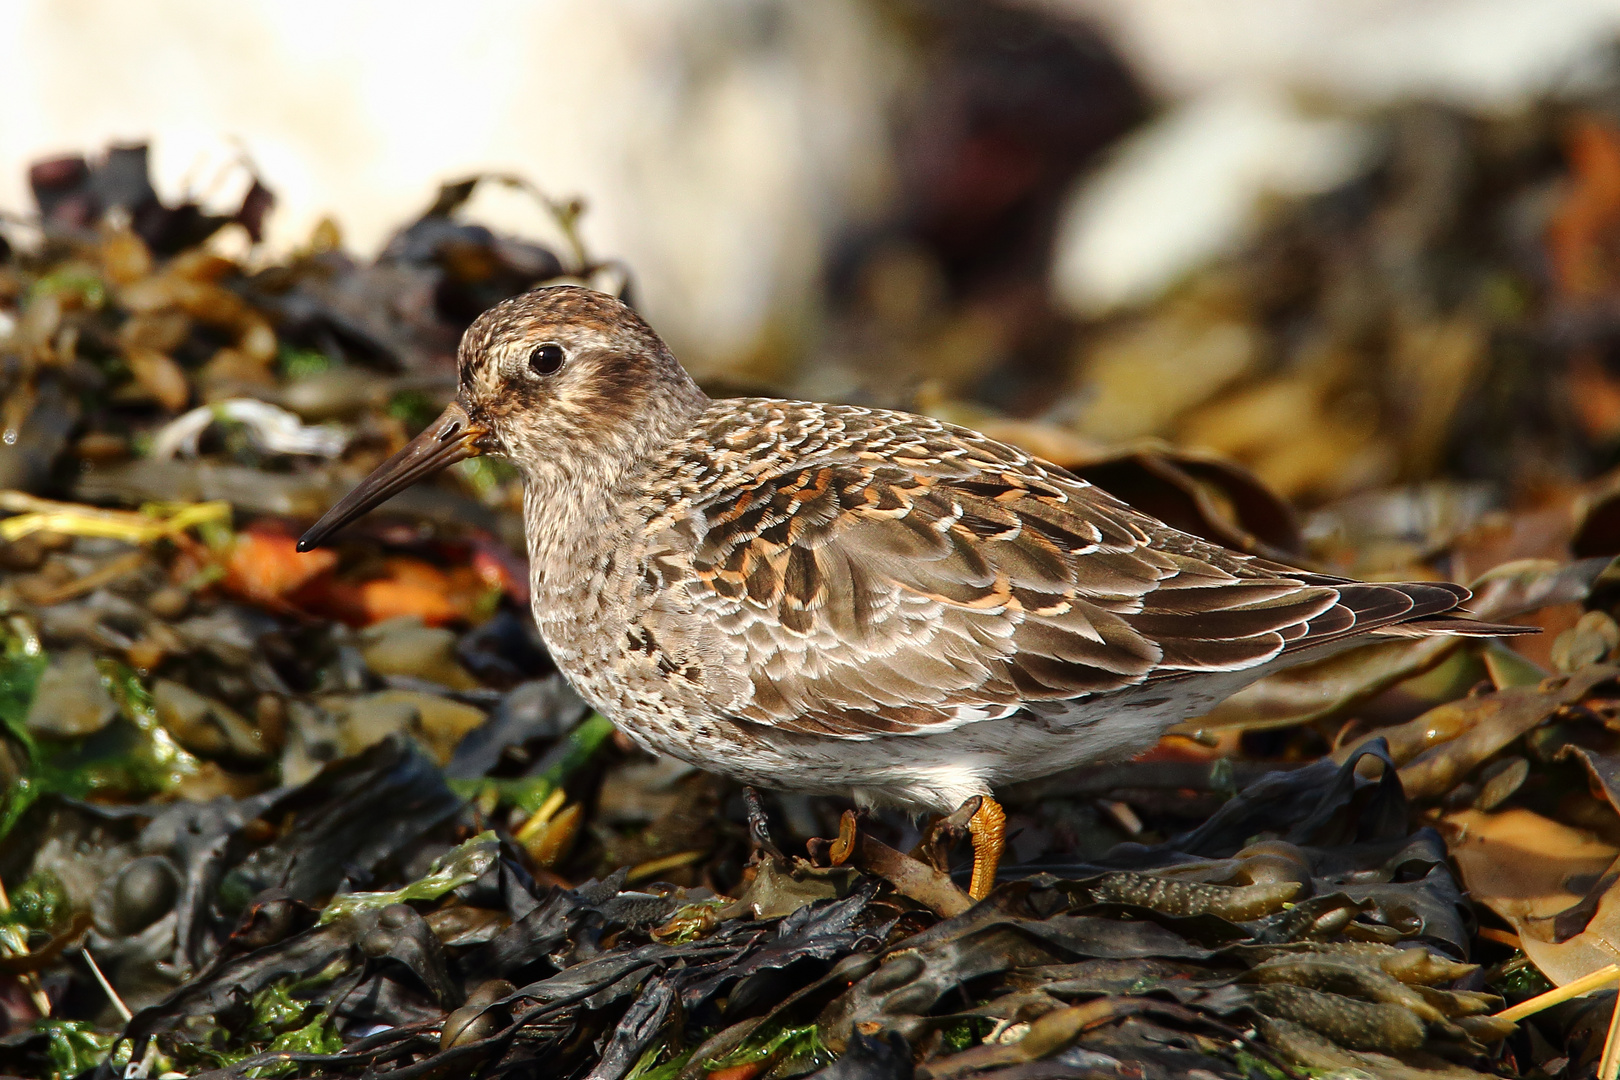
pixel 876 596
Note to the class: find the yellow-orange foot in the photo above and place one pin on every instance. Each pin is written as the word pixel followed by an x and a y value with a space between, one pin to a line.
pixel 988 828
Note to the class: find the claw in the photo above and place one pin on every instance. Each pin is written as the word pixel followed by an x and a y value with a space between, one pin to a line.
pixel 988 827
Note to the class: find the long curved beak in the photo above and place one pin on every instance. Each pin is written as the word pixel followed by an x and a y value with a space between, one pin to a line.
pixel 451 438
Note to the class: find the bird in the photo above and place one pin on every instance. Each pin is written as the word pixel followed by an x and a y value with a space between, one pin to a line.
pixel 840 599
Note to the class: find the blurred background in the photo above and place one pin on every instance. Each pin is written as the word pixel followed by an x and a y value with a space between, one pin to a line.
pixel 1343 242
pixel 1102 213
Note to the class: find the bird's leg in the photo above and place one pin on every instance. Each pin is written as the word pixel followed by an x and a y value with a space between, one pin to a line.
pixel 988 827
pixel 759 826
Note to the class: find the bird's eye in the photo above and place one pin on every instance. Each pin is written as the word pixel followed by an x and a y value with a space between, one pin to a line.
pixel 546 359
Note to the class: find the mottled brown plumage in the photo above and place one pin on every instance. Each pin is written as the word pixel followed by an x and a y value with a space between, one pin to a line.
pixel 831 598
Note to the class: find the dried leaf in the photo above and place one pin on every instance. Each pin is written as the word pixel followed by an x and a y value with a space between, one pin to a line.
pixel 1474 729
pixel 1528 868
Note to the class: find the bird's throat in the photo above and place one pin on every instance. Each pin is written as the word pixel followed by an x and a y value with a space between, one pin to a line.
pixel 582 504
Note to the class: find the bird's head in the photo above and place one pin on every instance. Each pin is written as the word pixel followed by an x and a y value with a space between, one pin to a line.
pixel 559 380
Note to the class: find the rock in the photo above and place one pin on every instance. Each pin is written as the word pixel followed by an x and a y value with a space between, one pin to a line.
pixel 540 709
pixel 203 725
pixel 71 701
pixel 442 723
pixel 314 737
pixel 405 646
pixel 438 723
pixel 142 893
pixel 369 719
pixel 230 633
pixel 169 602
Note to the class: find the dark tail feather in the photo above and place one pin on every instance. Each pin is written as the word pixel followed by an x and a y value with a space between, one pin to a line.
pixel 1403 609
pixel 1436 610
pixel 1460 625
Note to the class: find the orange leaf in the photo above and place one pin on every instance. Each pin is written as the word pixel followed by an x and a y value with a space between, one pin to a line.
pixel 746 1071
pixel 391 597
pixel 265 566
pixel 414 587
pixel 499 568
pixel 1581 236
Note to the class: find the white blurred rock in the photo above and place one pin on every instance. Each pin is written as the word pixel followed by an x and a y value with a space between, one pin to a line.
pixel 1473 53
pixel 719 144
pixel 1185 190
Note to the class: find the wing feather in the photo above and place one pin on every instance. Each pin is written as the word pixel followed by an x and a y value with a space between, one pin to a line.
pixel 954 579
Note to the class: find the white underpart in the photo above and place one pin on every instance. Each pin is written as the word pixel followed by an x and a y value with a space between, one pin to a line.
pixel 977 754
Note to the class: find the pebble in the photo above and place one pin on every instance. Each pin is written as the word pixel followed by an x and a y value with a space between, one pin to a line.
pixel 101 446
pixel 203 725
pixel 170 602
pixel 438 723
pixel 370 719
pixel 24 553
pixel 143 893
pixel 404 646
pixel 71 701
